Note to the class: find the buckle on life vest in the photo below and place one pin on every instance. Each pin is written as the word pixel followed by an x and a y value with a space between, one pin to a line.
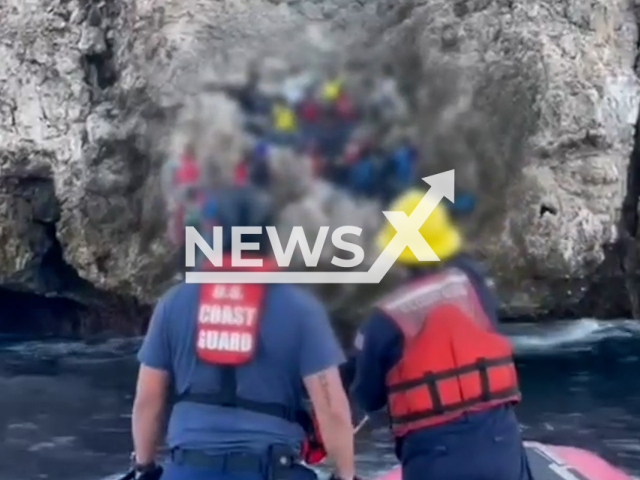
pixel 482 365
pixel 430 380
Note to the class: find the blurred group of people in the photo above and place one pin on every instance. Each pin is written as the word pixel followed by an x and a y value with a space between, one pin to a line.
pixel 356 136
pixel 319 116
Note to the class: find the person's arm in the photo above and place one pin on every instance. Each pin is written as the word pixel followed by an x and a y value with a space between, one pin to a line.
pixel 332 410
pixel 378 347
pixel 149 406
pixel 149 413
pixel 320 356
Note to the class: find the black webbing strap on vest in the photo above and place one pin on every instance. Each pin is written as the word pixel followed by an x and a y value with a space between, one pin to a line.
pixel 431 379
pixel 227 396
pixel 483 366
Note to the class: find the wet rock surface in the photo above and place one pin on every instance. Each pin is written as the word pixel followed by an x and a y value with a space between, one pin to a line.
pixel 533 103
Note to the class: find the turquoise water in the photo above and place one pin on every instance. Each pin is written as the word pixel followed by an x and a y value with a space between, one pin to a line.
pixel 65 406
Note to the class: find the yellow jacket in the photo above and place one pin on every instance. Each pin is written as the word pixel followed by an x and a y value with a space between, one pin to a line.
pixel 284 118
pixel 331 90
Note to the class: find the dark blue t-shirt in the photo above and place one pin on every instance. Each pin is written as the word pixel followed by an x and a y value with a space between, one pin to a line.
pixel 295 340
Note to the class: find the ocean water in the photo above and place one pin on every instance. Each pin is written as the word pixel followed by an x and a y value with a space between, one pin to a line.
pixel 65 406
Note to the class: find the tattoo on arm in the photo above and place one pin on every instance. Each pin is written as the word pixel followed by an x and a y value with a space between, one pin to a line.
pixel 324 385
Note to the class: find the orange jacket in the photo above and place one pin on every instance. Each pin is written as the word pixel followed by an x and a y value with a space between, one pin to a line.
pixel 453 361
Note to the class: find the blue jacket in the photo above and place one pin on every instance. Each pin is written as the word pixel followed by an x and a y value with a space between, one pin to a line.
pixel 361 175
pixel 403 160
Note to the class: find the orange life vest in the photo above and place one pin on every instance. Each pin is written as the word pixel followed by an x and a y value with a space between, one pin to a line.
pixel 453 361
pixel 227 332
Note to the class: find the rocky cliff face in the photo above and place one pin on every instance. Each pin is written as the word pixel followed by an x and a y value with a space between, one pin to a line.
pixel 561 76
pixel 85 88
pixel 533 102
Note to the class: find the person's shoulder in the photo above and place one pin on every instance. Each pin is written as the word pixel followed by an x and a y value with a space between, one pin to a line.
pixel 471 265
pixel 299 304
pixel 297 298
pixel 176 293
pixel 378 324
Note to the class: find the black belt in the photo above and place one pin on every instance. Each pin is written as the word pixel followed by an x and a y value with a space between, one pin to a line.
pixel 230 462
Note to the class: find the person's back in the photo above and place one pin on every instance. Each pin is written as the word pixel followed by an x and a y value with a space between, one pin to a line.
pixel 482 437
pixel 291 343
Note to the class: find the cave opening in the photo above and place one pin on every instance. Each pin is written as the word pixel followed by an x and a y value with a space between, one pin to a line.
pixel 43 298
pixel 27 315
pixel 547 209
pixel 38 302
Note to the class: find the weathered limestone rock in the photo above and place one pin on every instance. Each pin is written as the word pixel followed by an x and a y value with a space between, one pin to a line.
pixel 533 103
pixel 542 126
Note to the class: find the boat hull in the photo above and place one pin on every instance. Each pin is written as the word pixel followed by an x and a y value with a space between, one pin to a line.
pixel 552 462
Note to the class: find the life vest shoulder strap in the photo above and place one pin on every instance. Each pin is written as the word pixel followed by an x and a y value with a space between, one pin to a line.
pixel 409 306
pixel 227 396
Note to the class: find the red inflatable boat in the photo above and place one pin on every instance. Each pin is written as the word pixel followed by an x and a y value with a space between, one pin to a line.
pixel 550 462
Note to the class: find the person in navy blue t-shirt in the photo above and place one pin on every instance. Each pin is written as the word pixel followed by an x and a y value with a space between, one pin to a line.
pixel 239 360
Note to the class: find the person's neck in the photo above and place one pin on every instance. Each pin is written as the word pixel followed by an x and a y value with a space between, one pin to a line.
pixel 432 267
pixel 268 263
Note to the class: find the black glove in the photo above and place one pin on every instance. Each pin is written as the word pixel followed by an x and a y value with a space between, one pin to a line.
pixel 148 472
